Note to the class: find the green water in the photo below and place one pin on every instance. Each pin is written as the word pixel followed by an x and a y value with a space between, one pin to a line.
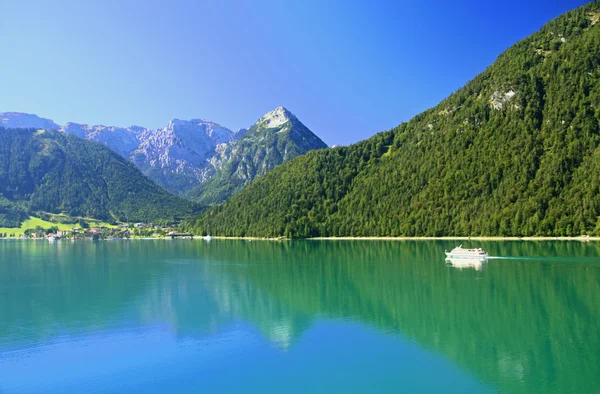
pixel 297 317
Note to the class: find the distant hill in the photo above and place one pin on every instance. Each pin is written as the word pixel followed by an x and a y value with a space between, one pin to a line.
pixel 514 152
pixel 49 171
pixel 275 138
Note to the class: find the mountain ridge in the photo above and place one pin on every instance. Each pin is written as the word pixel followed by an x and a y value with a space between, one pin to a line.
pixel 178 157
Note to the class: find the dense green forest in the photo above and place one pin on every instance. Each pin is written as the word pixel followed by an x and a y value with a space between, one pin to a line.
pixel 261 149
pixel 48 171
pixel 11 214
pixel 514 152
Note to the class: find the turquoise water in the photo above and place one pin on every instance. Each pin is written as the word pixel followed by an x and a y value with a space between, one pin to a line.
pixel 297 317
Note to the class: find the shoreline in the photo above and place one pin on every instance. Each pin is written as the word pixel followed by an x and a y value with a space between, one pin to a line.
pixel 477 238
pixel 580 238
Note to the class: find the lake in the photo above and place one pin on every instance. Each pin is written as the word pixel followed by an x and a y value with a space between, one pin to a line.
pixel 297 317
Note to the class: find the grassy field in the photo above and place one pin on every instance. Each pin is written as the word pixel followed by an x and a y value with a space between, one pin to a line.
pixel 33 222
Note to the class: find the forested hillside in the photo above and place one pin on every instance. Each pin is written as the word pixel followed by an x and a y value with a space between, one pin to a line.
pixel 514 152
pixel 11 215
pixel 49 171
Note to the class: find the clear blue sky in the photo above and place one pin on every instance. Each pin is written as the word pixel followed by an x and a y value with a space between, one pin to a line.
pixel 347 69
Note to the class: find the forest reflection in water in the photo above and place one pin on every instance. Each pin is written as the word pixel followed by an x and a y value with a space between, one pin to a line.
pixel 527 321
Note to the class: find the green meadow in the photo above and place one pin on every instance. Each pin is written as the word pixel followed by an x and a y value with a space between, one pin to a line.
pixel 34 222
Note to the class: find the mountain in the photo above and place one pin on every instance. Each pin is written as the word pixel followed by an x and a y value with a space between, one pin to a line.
pixel 53 172
pixel 121 140
pixel 514 152
pixel 175 157
pixel 178 156
pixel 275 138
pixel 21 120
pixel 188 153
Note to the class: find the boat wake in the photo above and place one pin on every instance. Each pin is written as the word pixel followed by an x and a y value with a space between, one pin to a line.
pixel 587 259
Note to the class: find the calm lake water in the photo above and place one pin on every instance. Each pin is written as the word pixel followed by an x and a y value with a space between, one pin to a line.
pixel 297 317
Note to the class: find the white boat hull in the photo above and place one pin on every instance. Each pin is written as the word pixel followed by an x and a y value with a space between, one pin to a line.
pixel 451 256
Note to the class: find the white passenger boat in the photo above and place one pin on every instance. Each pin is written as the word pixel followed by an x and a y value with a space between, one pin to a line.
pixel 466 254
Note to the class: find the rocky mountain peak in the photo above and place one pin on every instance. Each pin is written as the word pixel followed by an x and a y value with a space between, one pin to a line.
pixel 278 136
pixel 276 118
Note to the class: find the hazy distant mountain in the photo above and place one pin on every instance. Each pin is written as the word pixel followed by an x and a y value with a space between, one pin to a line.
pixel 175 157
pixel 178 156
pixel 18 120
pixel 275 138
pixel 121 140
pixel 183 154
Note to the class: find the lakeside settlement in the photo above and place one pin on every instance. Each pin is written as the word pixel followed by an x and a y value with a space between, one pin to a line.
pixel 122 231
